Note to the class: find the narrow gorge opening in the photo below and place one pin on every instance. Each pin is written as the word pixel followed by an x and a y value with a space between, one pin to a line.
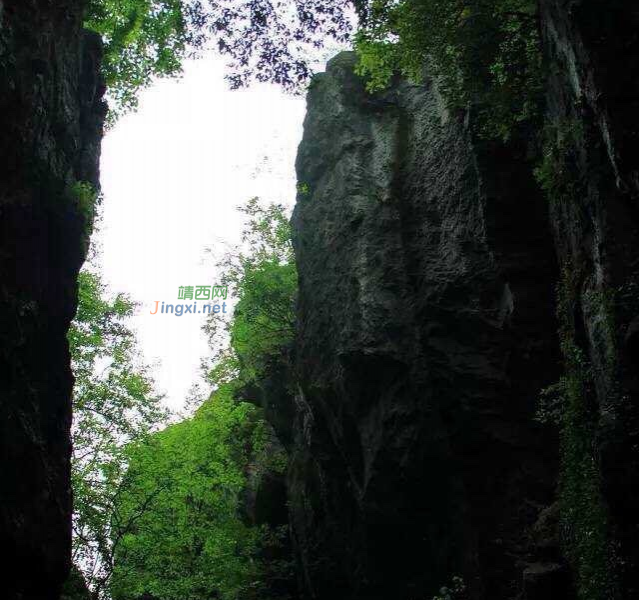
pixel 310 300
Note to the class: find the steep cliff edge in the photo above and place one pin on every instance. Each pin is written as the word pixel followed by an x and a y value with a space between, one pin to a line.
pixel 426 331
pixel 442 292
pixel 591 174
pixel 51 116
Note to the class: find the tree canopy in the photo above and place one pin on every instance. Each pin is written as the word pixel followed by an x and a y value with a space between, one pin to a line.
pixel 178 528
pixel 486 53
pixel 263 40
pixel 114 404
pixel 186 538
pixel 143 39
pixel 263 276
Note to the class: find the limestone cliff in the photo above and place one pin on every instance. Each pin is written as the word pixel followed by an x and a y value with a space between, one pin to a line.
pixel 51 117
pixel 426 331
pixel 444 283
pixel 428 266
pixel 442 291
pixel 593 141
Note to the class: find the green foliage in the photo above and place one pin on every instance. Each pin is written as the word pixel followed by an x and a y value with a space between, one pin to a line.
pixel 486 55
pixel 177 527
pixel 143 39
pixel 303 188
pixel 85 198
pixel 557 172
pixel 379 60
pixel 182 536
pixel 263 276
pixel 266 41
pixel 583 517
pixel 114 404
pixel 570 405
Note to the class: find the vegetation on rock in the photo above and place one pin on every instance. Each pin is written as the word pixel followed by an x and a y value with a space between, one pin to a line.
pixel 486 55
pixel 162 512
pixel 570 405
pixel 263 276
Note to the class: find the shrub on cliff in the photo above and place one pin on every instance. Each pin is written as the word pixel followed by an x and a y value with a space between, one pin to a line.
pixel 262 275
pixel 487 54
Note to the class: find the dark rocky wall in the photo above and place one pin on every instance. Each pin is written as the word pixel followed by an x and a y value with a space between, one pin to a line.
pixel 440 292
pixel 428 262
pixel 264 504
pixel 592 49
pixel 51 116
pixel 426 331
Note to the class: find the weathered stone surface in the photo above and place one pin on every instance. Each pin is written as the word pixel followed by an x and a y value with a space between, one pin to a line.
pixel 426 330
pixel 593 103
pixel 51 117
pixel 426 318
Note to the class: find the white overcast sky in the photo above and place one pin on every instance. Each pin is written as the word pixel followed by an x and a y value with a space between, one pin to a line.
pixel 173 174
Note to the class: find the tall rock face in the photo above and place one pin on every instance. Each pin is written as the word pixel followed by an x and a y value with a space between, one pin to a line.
pixel 426 331
pixel 51 116
pixel 593 141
